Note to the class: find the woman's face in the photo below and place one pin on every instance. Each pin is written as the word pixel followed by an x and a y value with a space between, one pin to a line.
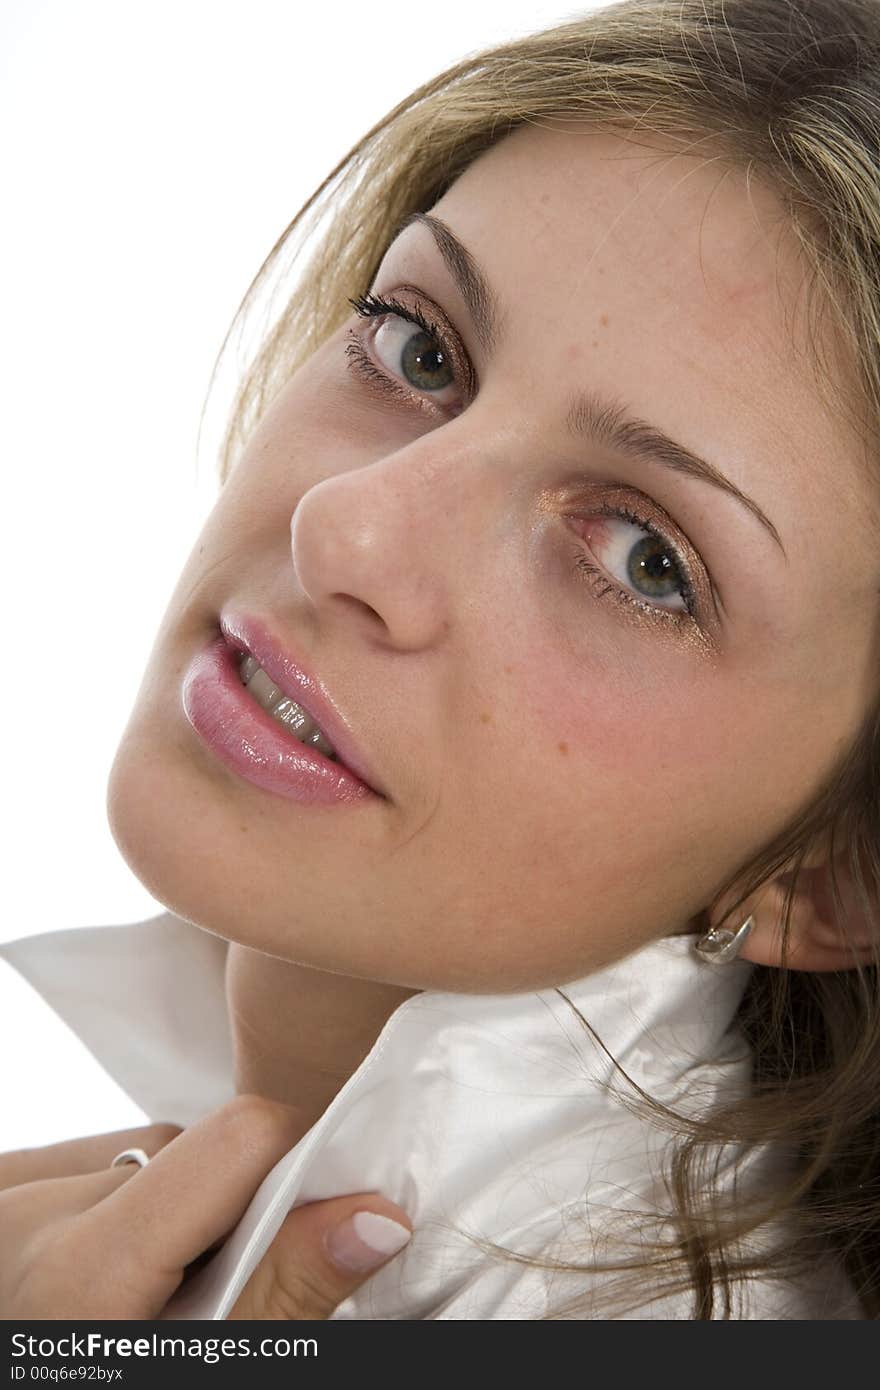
pixel 496 600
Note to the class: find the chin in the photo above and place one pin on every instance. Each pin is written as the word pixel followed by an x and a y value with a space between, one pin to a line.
pixel 204 857
pixel 214 853
pixel 144 814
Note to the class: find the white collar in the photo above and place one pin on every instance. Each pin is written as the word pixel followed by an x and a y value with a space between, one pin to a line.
pixel 482 1112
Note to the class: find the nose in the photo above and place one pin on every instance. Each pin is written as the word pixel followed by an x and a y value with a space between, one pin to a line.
pixel 384 540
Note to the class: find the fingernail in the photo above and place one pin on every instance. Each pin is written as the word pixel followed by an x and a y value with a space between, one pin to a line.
pixel 365 1240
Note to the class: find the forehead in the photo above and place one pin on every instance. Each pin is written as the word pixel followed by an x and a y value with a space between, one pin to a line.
pixel 673 279
pixel 674 236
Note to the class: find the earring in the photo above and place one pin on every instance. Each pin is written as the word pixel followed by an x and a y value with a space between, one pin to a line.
pixel 719 945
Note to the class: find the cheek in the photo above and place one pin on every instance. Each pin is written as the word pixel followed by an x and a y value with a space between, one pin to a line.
pixel 610 720
pixel 653 757
pixel 635 763
pixel 580 811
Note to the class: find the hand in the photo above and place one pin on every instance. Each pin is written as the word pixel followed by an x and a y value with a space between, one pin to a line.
pixel 83 1240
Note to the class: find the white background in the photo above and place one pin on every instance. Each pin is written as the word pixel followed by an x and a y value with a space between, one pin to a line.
pixel 151 155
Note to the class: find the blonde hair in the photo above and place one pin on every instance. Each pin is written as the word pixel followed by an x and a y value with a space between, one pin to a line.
pixel 791 93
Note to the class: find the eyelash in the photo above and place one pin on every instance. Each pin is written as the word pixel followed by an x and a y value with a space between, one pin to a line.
pixel 371 305
pixel 603 586
pixel 374 306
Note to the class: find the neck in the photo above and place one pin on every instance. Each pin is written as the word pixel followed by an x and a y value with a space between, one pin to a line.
pixel 299 1034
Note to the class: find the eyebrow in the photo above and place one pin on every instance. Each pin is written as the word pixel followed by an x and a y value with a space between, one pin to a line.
pixel 602 420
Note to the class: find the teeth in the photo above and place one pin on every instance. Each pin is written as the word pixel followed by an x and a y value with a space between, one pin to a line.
pixel 263 690
pixel 283 709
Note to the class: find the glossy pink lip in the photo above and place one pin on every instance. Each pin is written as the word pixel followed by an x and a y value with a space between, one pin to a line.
pixel 247 739
pixel 246 634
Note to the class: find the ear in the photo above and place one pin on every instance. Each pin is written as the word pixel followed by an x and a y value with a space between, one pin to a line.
pixel 821 938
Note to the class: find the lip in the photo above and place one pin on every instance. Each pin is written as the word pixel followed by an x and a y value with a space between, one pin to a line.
pixel 245 737
pixel 249 635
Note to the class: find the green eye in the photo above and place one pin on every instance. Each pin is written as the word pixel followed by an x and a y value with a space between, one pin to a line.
pixel 405 350
pixel 651 571
pixel 422 363
pixel 646 570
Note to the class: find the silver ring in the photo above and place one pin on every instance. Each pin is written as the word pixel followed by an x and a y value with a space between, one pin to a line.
pixel 131 1156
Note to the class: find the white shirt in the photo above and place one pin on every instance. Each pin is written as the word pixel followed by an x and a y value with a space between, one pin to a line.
pixel 480 1114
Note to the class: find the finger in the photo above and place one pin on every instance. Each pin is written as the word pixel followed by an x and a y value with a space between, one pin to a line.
pixel 191 1193
pixel 33 1208
pixel 323 1252
pixel 88 1154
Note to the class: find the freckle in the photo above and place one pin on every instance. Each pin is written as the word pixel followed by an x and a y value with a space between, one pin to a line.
pixel 508 669
pixel 603 319
pixel 595 342
pixel 485 717
pixel 563 748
